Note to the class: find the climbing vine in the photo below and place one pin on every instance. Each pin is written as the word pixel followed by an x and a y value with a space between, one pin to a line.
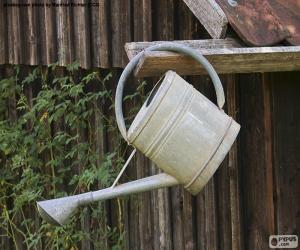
pixel 55 143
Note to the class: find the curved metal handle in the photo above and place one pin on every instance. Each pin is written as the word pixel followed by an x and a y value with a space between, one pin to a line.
pixel 167 46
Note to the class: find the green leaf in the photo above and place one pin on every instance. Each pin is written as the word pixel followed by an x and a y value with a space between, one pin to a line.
pixel 73 66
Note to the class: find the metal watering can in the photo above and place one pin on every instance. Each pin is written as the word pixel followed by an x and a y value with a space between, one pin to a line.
pixel 179 129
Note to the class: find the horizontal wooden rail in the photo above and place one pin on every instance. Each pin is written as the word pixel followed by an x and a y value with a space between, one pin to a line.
pixel 226 55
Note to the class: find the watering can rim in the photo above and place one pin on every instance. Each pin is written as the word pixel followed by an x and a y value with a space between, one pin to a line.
pixel 149 108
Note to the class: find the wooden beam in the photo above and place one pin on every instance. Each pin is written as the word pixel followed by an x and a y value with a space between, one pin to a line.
pixel 224 55
pixel 211 16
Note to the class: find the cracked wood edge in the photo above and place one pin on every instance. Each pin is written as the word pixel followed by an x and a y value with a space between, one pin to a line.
pixel 211 16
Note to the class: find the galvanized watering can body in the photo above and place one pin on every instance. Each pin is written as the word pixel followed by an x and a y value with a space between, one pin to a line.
pixel 183 132
pixel 178 128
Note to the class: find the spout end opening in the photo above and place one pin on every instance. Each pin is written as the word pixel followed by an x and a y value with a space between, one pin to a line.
pixel 46 216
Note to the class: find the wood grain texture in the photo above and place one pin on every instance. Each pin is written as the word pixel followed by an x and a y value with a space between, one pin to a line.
pixel 14 40
pixel 234 168
pixel 163 27
pixel 95 39
pixel 3 35
pixel 177 218
pixel 135 47
pixel 225 59
pixel 120 30
pixel 210 15
pixel 82 34
pixel 256 160
pixel 50 33
pixel 224 205
pixel 207 232
pixel 28 17
pixel 142 22
pixel 286 149
pixel 41 39
pixel 105 46
pixel 65 41
pixel 144 205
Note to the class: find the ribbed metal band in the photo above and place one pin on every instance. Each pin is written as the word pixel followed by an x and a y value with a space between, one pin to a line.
pixel 166 132
pixel 212 155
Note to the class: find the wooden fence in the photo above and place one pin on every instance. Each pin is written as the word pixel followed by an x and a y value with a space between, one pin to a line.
pixel 255 192
pixel 94 36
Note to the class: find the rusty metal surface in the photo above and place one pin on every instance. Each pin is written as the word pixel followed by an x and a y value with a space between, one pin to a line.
pixel 264 22
pixel 289 15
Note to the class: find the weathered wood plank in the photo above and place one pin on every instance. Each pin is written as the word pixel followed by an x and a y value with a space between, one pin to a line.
pixel 14 35
pixel 234 168
pixel 65 43
pixel 163 27
pixel 163 200
pixel 96 35
pixel 29 27
pixel 210 15
pixel 228 178
pixel 286 110
pixel 82 34
pixel 223 206
pixel 207 232
pixel 154 208
pixel 105 46
pixel 177 220
pixel 3 35
pixel 225 59
pixel 256 160
pixel 50 34
pixel 144 205
pixel 188 222
pixel 186 25
pixel 121 30
pixel 41 36
pixel 135 47
pixel 142 22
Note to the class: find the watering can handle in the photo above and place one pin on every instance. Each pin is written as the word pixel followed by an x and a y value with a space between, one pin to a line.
pixel 167 46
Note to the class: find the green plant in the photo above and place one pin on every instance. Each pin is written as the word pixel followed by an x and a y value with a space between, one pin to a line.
pixel 54 142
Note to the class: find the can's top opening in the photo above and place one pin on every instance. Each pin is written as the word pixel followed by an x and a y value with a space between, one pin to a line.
pixel 154 99
pixel 153 91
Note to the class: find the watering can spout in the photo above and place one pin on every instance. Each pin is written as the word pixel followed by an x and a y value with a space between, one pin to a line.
pixel 58 211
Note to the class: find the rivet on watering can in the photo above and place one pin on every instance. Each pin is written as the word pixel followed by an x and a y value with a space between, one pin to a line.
pixel 178 128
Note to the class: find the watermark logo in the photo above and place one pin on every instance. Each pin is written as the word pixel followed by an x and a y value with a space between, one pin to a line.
pixel 52 3
pixel 283 241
